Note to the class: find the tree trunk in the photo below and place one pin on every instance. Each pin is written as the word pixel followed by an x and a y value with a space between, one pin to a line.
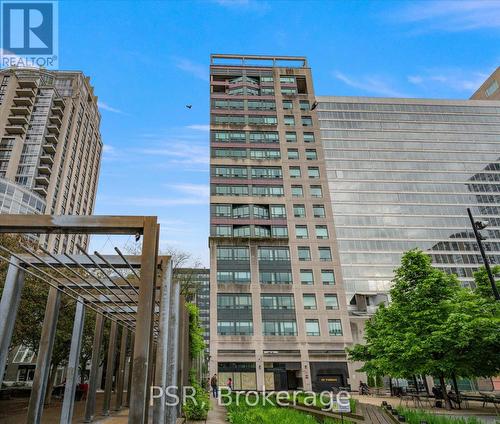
pixel 457 393
pixel 50 385
pixel 416 383
pixel 426 385
pixel 445 393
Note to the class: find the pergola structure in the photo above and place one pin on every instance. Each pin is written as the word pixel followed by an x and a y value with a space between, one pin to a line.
pixel 136 293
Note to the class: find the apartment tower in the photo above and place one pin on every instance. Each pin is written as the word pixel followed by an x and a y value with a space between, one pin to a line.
pixel 279 316
pixel 50 146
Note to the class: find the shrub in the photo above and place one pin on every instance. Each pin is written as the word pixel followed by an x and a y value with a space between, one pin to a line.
pixel 416 416
pixel 197 408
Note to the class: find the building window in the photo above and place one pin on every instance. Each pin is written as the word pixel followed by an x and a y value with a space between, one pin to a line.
pixel 288 91
pixel 306 277
pixel 313 172
pixel 276 302
pixel 293 154
pixel 319 211
pixel 289 120
pixel 241 211
pixel 279 328
pixel 308 137
pixel 291 137
pixel 297 191
pixel 321 231
pixel 334 327
pixel 316 191
pixel 280 232
pixel 309 301
pixel 275 277
pixel 295 172
pixel 267 91
pixel 304 253
pixel 267 78
pixel 328 277
pixel 304 105
pixel 307 121
pixel 233 253
pixel 223 231
pixel 234 328
pixel 311 154
pixel 299 211
pixel 233 277
pixel 331 301
pixel 242 231
pixel 23 355
pixel 287 105
pixel 284 79
pixel 492 88
pixel 234 301
pixel 325 254
pixel 301 232
pixel 278 211
pixel 312 327
pixel 274 254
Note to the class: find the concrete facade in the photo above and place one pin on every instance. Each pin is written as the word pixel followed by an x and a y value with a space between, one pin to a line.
pixel 50 146
pixel 278 309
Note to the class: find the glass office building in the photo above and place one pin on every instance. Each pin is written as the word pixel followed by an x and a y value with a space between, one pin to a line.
pixel 401 175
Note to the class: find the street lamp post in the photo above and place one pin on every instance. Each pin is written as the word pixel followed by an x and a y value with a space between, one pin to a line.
pixel 476 226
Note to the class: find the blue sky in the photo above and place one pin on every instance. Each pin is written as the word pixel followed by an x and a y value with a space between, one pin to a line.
pixel 147 60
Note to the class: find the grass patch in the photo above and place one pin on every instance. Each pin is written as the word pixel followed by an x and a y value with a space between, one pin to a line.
pixel 269 414
pixel 415 416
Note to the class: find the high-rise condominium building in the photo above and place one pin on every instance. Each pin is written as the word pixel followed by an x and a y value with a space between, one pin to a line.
pixel 402 173
pixel 279 316
pixel 50 146
pixel 490 89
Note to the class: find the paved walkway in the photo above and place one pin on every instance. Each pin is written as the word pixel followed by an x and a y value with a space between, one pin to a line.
pixel 373 414
pixel 216 415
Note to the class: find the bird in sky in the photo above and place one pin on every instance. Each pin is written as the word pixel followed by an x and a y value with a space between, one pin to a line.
pixel 189 106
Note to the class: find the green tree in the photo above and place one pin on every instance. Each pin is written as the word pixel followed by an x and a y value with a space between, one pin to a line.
pixel 432 326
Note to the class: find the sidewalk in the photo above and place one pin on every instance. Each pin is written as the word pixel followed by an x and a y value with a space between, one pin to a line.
pixel 216 415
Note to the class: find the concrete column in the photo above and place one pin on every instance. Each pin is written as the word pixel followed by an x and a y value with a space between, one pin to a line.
pixel 94 369
pixel 110 368
pixel 11 297
pixel 130 369
pixel 120 375
pixel 173 346
pixel 159 413
pixel 73 362
pixel 140 391
pixel 42 370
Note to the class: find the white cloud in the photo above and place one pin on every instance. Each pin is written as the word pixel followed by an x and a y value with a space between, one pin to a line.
pixel 180 152
pixel 370 84
pixel 196 69
pixel 106 107
pixel 456 79
pixel 450 15
pixel 199 127
pixel 239 5
pixel 199 190
pixel 152 202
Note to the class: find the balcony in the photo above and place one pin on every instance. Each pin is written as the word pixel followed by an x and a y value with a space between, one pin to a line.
pixel 14 129
pixel 42 180
pixel 17 119
pixel 23 101
pixel 55 120
pixel 48 148
pixel 25 92
pixel 53 129
pixel 47 159
pixel 20 110
pixel 28 82
pixel 40 190
pixel 59 102
pixel 44 170
pixel 56 110
pixel 51 138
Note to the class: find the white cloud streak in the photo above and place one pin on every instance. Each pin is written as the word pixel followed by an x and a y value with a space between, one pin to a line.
pixel 197 70
pixel 370 84
pixel 450 15
pixel 456 79
pixel 108 108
